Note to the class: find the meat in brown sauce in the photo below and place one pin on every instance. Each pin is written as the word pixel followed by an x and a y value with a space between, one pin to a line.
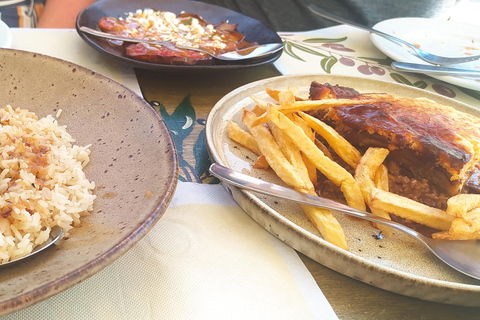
pixel 434 152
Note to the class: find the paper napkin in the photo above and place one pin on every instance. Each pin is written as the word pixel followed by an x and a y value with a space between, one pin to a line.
pixel 204 259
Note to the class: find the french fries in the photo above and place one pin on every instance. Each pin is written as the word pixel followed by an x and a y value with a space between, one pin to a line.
pixel 272 152
pixel 371 173
pixel 322 219
pixel 460 204
pixel 339 144
pixel 332 170
pixel 242 137
pixel 285 139
pixel 410 209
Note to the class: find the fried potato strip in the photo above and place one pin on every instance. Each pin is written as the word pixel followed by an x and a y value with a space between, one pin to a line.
pixel 371 173
pixel 339 144
pixel 332 170
pixel 410 209
pixel 460 204
pixel 322 219
pixel 272 152
pixel 309 105
pixel 237 134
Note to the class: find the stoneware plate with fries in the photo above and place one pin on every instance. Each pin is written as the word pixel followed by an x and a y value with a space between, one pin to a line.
pixel 399 152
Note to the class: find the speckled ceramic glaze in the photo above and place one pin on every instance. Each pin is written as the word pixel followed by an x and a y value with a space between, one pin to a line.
pixel 133 164
pixel 398 264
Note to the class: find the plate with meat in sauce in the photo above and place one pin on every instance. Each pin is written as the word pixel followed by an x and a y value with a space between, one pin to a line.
pixel 419 126
pixel 185 23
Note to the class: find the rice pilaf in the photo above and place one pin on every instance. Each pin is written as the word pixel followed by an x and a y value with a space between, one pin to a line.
pixel 42 182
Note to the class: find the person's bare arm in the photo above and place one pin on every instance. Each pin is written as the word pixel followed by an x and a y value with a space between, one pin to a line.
pixel 62 13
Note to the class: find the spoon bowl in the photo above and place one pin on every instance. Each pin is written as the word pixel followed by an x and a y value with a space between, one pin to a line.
pixel 425 56
pixel 462 255
pixel 243 54
pixel 55 235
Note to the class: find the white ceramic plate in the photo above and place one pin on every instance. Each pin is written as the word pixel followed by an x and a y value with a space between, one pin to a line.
pixel 398 264
pixel 447 38
pixel 5 35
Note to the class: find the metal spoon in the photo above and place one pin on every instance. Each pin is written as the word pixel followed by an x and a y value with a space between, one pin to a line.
pixel 428 57
pixel 55 235
pixel 462 255
pixel 243 54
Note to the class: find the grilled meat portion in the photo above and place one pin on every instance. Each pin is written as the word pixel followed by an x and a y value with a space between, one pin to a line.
pixel 434 142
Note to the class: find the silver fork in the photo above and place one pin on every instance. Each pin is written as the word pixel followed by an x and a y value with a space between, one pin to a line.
pixel 462 255
pixel 425 56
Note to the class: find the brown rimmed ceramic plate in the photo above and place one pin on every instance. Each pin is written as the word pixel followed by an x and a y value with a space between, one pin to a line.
pixel 254 31
pixel 133 164
pixel 398 264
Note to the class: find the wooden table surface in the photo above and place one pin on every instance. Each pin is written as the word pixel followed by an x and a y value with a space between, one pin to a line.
pixel 177 94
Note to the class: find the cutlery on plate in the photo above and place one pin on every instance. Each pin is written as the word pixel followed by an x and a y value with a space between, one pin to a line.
pixel 437 70
pixel 242 54
pixel 55 235
pixel 462 255
pixel 428 57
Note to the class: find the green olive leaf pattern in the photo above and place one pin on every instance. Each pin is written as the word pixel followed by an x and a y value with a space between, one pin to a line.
pixel 384 62
pixel 472 93
pixel 289 45
pixel 324 40
pixel 327 63
pixel 420 84
pixel 288 50
pixel 400 79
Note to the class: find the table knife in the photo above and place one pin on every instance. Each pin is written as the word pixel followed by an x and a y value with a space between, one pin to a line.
pixel 437 70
